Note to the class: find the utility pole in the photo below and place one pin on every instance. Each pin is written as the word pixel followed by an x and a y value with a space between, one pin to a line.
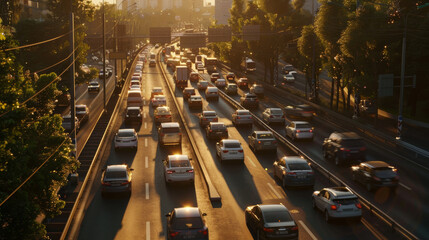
pixel 72 78
pixel 313 68
pixel 104 60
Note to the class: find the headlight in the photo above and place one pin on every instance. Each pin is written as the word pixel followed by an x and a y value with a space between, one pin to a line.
pixel 128 115
pixel 139 115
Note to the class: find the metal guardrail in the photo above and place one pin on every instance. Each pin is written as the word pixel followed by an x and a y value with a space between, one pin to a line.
pixel 418 151
pixel 372 208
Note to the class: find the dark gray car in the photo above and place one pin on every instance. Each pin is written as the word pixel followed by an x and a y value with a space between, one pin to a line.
pixel 293 171
pixel 187 223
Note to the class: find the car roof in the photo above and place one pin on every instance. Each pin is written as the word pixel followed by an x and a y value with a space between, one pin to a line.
pixel 376 164
pixel 243 79
pixel 170 125
pixel 250 94
pixel 300 122
pixel 178 157
pixel 262 132
pixel 217 123
pixel 189 88
pixel 279 109
pixel 134 91
pixel 230 141
pixel 272 207
pixel 165 107
pixel 204 112
pixel 340 192
pixel 220 79
pixel 126 130
pixel 81 105
pixel 232 84
pixel 186 212
pixel 294 159
pixel 349 135
pixel 212 88
pixel 133 108
pixel 114 168
pixel 159 96
pixel 215 74
pixel 196 96
pixel 157 88
pixel 243 111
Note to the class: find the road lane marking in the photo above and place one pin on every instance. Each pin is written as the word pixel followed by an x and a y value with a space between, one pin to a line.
pixel 145 142
pixel 144 90
pixel 373 230
pixel 147 190
pixel 144 115
pixel 405 186
pixel 144 102
pixel 274 190
pixel 307 230
pixel 146 162
pixel 250 160
pixel 145 125
pixel 147 230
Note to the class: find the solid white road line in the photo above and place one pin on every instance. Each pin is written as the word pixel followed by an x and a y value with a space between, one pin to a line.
pixel 147 190
pixel 145 142
pixel 307 230
pixel 147 230
pixel 275 192
pixel 250 160
pixel 145 125
pixel 405 186
pixel 146 162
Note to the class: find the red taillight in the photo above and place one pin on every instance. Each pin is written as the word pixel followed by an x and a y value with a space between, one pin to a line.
pixel 215 119
pixel 125 183
pixel 190 170
pixel 204 119
pixel 274 142
pixel 225 151
pixel 271 116
pixel 238 117
pixel 204 232
pixel 211 130
pixel 106 184
pixel 362 149
pixel 310 173
pixel 170 171
pixel 268 230
pixel 173 234
pixel 358 205
pixel 376 178
pixel 291 173
pixel 259 142
pixel 168 116
pixel 294 228
pixel 333 207
pixel 298 131
pixel 311 130
pixel 345 149
pixel 240 150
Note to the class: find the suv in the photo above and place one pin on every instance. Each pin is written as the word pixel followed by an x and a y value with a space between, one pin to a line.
pixel 343 147
pixel 133 114
pixel 187 92
pixel 169 134
pixel 249 100
pixel 337 202
pixel 82 113
pixel 93 86
pixel 375 174
pixel 212 93
pixel 214 77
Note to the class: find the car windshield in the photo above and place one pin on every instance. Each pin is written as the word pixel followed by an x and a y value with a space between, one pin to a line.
pixel 277 216
pixel 232 145
pixel 80 109
pixel 383 170
pixel 125 134
pixel 303 126
pixel 133 111
pixel 265 136
pixel 171 130
pixel 180 163
pixel 115 174
pixel 352 143
pixel 276 112
pixel 93 83
pixel 243 113
pixel 187 223
pixel 162 111
pixel 346 201
pixel 299 166
pixel 232 86
pixel 218 126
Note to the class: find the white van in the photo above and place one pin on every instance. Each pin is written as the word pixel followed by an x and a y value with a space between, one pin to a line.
pixel 134 99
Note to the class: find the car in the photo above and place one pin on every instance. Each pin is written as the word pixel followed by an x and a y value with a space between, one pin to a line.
pixel 257 89
pixel 216 130
pixel 212 93
pixel 126 138
pixel 294 171
pixel 344 147
pixel 249 100
pixel 273 115
pixel 288 78
pixel 194 77
pixel 133 114
pixel 230 76
pixel 195 101
pixel 229 149
pixel 135 83
pixel 136 74
pixel 162 114
pixel 136 87
pixel 376 174
pixel 262 140
pixel 157 45
pixel 220 83
pixel 101 73
pixel 134 98
pixel 93 86
pixel 243 83
pixel 242 117
pixel 214 77
pixel 187 223
pixel 271 221
pixel 187 92
pixel 178 168
pixel 207 117
pixel 116 179
pixel 82 113
pixel 66 124
pixel 202 85
pixel 287 68
pixel 337 203
pixel 156 91
pixel 200 67
pixel 231 89
pixel 159 100
pixel 135 78
pixel 300 111
pixel 169 133
pixel 300 130
pixel 152 63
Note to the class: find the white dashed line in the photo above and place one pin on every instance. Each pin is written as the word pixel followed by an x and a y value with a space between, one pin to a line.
pixel 145 125
pixel 250 160
pixel 147 230
pixel 307 230
pixel 146 162
pixel 147 190
pixel 145 142
pixel 144 91
pixel 275 192
pixel 144 115
pixel 144 102
pixel 405 186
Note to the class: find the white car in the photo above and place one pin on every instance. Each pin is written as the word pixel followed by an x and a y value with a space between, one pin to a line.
pixel 229 149
pixel 200 67
pixel 135 83
pixel 159 100
pixel 207 117
pixel 273 115
pixel 178 168
pixel 202 85
pixel 220 83
pixel 300 130
pixel 242 117
pixel 156 91
pixel 136 87
pixel 126 138
pixel 289 78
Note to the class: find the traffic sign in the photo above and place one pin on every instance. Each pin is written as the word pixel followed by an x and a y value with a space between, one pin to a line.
pixel 385 85
pixel 160 35
pixel 222 34
pixel 193 40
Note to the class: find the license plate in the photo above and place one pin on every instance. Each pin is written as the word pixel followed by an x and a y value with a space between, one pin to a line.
pixel 301 176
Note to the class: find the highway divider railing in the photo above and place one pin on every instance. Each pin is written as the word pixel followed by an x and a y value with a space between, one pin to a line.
pixel 213 193
pixel 373 209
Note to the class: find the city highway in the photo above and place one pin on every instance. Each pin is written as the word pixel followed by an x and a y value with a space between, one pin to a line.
pixel 142 215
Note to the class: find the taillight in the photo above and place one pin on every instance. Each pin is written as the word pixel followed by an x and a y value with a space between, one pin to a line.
pixel 345 149
pixel 215 119
pixel 170 171
pixel 291 173
pixel 268 230
pixel 173 234
pixel 211 130
pixel 259 142
pixel 274 142
pixel 204 119
pixel 298 131
pixel 294 228
pixel 310 173
pixel 362 149
pixel 376 178
pixel 106 184
pixel 333 207
pixel 240 150
pixel 162 134
pixel 125 183
pixel 358 205
pixel 311 130
pixel 204 232
pixel 190 170
pixel 225 151
pixel 271 116
pixel 238 117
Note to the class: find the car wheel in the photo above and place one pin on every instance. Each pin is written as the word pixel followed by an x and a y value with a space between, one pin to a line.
pixel 337 160
pixel 327 217
pixel 313 203
pixel 369 187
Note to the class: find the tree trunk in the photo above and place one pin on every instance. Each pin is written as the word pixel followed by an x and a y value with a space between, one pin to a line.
pixel 343 96
pixel 331 103
pixel 348 98
pixel 338 94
